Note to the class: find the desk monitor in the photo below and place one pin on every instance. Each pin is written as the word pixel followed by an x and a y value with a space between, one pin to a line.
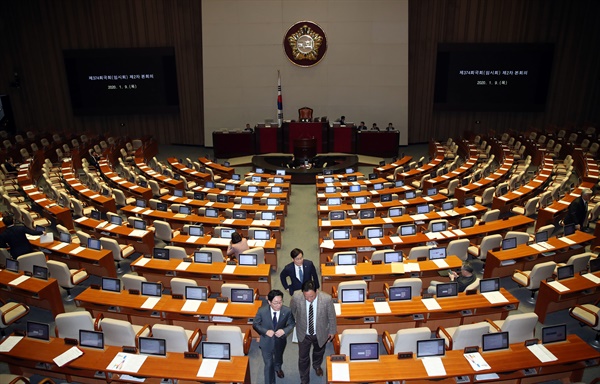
pixel 256 179
pixel 328 172
pixel 331 189
pixel 64 237
pixel 349 170
pixel 267 215
pixel 229 187
pixel 111 285
pixel 353 295
pixel 400 293
pixel 382 163
pixel 40 331
pixel 489 285
pixel 336 215
pixel 242 295
pixel 40 228
pixel 541 237
pixel 446 290
pixel 373 176
pixel 222 198
pixel 236 176
pixel 374 233
pixel 565 272
pixel 378 186
pixel 211 212
pixel 140 203
pixel 202 257
pixel 139 224
pixel 209 184
pixel 364 351
pixel 278 180
pixel 447 206
pixel 569 229
pixel 392 257
pixel 226 164
pixel 395 212
pixel 439 226
pixel 420 164
pixel 346 259
pixel 94 244
pixel 143 184
pixel 248 259
pixel 503 190
pixel 437 253
pixel 469 201
pixel 494 342
pixel 594 265
pixel 386 197
pixel 476 176
pixel 196 293
pixel 360 200
pixel 431 347
pixel 272 201
pixel 467 222
pixel 465 181
pixel 160 253
pixel 198 195
pixel 410 195
pixel 554 333
pixel 116 220
pixel 218 351
pixel 366 214
pixel 178 192
pixel 340 234
pixel 509 243
pixel 259 170
pixel 12 265
pixel 240 214
pixel 423 209
pixel 280 172
pixel 408 230
pixel 91 339
pixel 399 183
pixel 262 234
pixel 355 188
pixel 431 191
pixel 40 272
pixel 328 180
pixel 185 210
pixel 276 189
pixel 252 188
pixel 352 178
pixel 226 233
pixel 152 346
pixel 151 289
pixel 95 215
pixel 196 230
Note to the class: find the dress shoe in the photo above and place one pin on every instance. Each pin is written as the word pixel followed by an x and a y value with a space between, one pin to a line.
pixel 319 371
pixel 280 374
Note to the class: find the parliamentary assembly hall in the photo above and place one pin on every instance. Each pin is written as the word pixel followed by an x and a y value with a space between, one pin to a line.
pixel 297 191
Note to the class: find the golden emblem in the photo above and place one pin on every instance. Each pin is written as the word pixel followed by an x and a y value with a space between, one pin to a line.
pixel 305 44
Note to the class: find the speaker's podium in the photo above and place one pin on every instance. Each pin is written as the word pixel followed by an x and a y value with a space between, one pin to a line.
pixel 306 128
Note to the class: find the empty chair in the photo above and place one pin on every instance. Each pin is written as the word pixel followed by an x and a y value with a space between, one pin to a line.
pixel 458 248
pixel 341 342
pixel 353 284
pixel 532 279
pixel 66 278
pixel 522 237
pixel 549 229
pixel 520 327
pixel 421 183
pixel 120 251
pixel 178 285
pixel 123 333
pixel 415 284
pixel 490 215
pixel 157 191
pixel 68 324
pixel 588 314
pixel 10 313
pixel 163 231
pixel 216 253
pixel 78 209
pixel 449 191
pixel 177 338
pixel 176 252
pixel 131 281
pixel 28 260
pixel 418 252
pixel 405 340
pixel 488 243
pixel 579 262
pixel 82 238
pixel 239 341
pixel 121 200
pixel 530 208
pixel 487 197
pixel 457 338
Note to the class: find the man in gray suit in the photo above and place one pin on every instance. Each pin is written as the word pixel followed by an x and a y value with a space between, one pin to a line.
pixel 274 322
pixel 315 325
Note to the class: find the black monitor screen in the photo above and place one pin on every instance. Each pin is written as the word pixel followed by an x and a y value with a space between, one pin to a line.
pixel 565 272
pixel 230 187
pixel 354 188
pixel 336 215
pixel 423 209
pixel 161 253
pixel 594 264
pixel 110 284
pixel 272 201
pixel 447 206
pixel 151 289
pixel 392 257
pixel 202 257
pixel 431 191
pixel 377 186
pixel 386 197
pixel 259 170
pixel 469 201
pixel 262 235
pixel 227 232
pixel 161 207
pixel 439 226
pixel 247 200
pixel 364 351
pixel 399 183
pixel 446 290
pixel 199 195
pixel 509 243
pixel 116 220
pixel 554 333
pixel 280 172
pixel 276 189
pixel 12 265
pixel 374 233
pixel 211 212
pixel 222 198
pixel 489 285
pixel 265 215
pixel 494 341
pixel 330 189
pixel 278 180
pixel 236 176
pixel 334 201
pixel 400 293
pixel 209 184
pixel 139 224
pixel 355 295
pixel 37 330
pixel 152 346
pixel 541 237
pixel 91 339
pixel 431 347
pixel 95 215
pixel 366 214
pixel 178 192
pixel 185 210
pixel 352 178
pixel 254 188
pixel 410 195
pixel 64 237
pixel 373 176
pixel 140 203
pixel 242 295
pixel 247 259
pixel 40 272
pixel 569 229
pixel 196 293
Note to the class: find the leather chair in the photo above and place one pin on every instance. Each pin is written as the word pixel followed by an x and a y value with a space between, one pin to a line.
pixel 305 114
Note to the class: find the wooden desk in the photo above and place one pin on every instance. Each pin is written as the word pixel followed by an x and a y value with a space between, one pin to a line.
pixel 210 275
pixel 437 154
pixel 189 173
pixel 141 240
pixel 581 291
pixel 26 356
pixel 93 198
pixel 49 207
pixel 384 171
pixel 509 365
pixel 116 181
pixel 364 315
pixel 558 209
pixel 444 180
pixel 372 194
pixel 34 292
pixel 479 186
pixel 99 263
pixel 166 181
pixel 221 170
pixel 500 263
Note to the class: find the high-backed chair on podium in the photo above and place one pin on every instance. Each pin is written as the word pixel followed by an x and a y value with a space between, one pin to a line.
pixel 305 114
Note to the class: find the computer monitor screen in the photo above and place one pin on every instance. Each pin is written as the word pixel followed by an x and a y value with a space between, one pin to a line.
pixel 565 272
pixel 328 172
pixel 439 226
pixel 395 212
pixel 346 259
pixel 40 228
pixel 340 234
pixel 378 186
pixel 431 191
pixel 247 259
pixel 494 341
pixel 410 194
pixel 423 209
pixel 259 170
pixel 374 233
pixel 509 243
pixel 352 178
pixel 198 195
pixel 278 180
pixel 366 214
pixel 202 257
pixel 262 234
pixel 336 215
pixel 256 179
pixel 139 224
pixel 195 230
pixel 280 172
pixel 95 215
pixel 272 201
pixel 467 222
pixel 408 230
pixel 364 351
pixel 330 189
pixel 386 197
pixel 503 190
pixel 210 184
pixel 399 183
pixel 64 237
pixel 541 237
pixel 227 232
pixel 354 295
pixel 276 189
pixel 94 244
pixel 151 289
pixel 116 220
pixel 211 212
pixel 328 180
pixel 477 176
pixel 230 187
pixel 355 188
pixel 236 176
pixel 252 188
pixel 178 192
pixel 489 285
pixel 218 351
pixel 437 253
pixel 242 295
pixel 469 201
pixel 349 170
pixel 446 290
pixel 222 198
pixel 196 293
pixel 40 331
pixel 400 293
pixel 185 210
pixel 40 272
pixel 239 214
pixel 594 265
pixel 91 339
pixel 111 285
pixel 161 253
pixel 152 346
pixel 12 265
pixel 447 206
pixel 431 347
pixel 266 215
pixel 140 203
pixel 373 176
pixel 143 184
pixel 360 200
pixel 554 333
pixel 392 257
pixel 569 229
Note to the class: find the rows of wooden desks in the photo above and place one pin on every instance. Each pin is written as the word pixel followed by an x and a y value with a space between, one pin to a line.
pixel 372 194
pixel 128 188
pixel 573 356
pixel 82 192
pixel 151 174
pixel 141 240
pixel 186 171
pixel 34 292
pixel 459 173
pixel 386 170
pixel 437 154
pixel 35 357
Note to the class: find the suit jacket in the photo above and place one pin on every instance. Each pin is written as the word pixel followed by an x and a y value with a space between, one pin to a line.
pixel 264 322
pixel 577 212
pixel 14 237
pixel 326 320
pixel 310 273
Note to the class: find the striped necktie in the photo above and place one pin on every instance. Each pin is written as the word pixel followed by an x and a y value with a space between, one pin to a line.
pixel 311 319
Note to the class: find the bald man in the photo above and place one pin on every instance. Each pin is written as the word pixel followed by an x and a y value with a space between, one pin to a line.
pixel 578 209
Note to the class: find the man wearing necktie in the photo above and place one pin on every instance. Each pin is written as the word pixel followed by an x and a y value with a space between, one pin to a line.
pixel 274 322
pixel 577 212
pixel 298 272
pixel 315 325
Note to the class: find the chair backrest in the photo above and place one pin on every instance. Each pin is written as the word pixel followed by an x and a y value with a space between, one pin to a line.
pixel 579 262
pixel 469 335
pixel 60 271
pixel 488 196
pixel 458 248
pixel 350 336
pixel 522 237
pixel 68 324
pixel 227 287
pixel 415 284
pixel 540 272
pixel 118 332
pixel 227 334
pixel 163 230
pixel 176 252
pixel 131 281
pixel 113 245
pixel 406 339
pixel 419 251
pixel 473 286
pixel 217 254
pixel 531 206
pixel 491 215
pixel 549 229
pixel 520 327
pixel 178 285
pixel 305 113
pixel 489 242
pixel 175 335
pixel 28 260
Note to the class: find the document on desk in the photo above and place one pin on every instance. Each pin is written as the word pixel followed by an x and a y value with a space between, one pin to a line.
pixel 447 233
pixel 382 307
pixel 59 246
pixel 81 219
pixel 495 297
pixel 228 221
pixel 137 209
pixel 345 270
pixel 192 239
pixel 427 198
pixel 591 277
pixel 257 243
pixel 434 235
pixel 412 267
pixel 138 233
pixel 396 239
pixel 355 221
pixel 126 362
pixel 67 356
pixel 431 304
pixel 442 214
pixel 208 367
pixel 191 305
pixel 150 302
pixel 355 206
pixel 538 247
pixel 375 241
pixel 404 202
pixel 558 286
pixel 9 343
pixel 388 220
pixel 441 263
pixel 182 266
pixel 218 308
pixel 434 366
pixel 419 217
pixel 141 262
pixel 340 372
pixel 542 353
pixel 565 239
pixel 458 232
pixel 477 361
pixel 329 244
pixel 228 269
pixel 397 267
pixel 218 241
pixel 19 280
pixel 472 208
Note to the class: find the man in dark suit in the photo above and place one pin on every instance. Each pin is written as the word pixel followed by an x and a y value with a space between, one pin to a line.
pixel 14 237
pixel 316 324
pixel 577 212
pixel 274 322
pixel 298 271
